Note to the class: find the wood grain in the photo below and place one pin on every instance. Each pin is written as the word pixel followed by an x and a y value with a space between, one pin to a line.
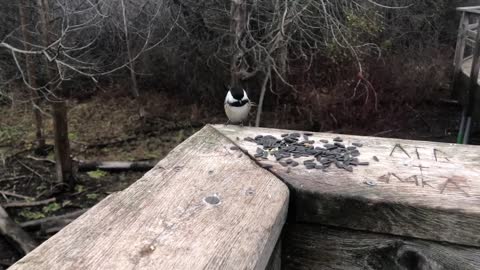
pixel 323 248
pixel 439 201
pixel 204 206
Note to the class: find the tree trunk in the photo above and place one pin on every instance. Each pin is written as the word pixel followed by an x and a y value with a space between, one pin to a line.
pixel 131 65
pixel 238 27
pixel 63 160
pixel 268 76
pixel 37 115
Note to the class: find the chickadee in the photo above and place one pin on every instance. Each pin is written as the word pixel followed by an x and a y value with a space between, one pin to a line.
pixel 237 105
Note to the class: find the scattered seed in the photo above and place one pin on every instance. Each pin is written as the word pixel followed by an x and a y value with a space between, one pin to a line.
pixel 376 158
pixel 339 164
pixel 364 163
pixel 308 161
pixel 291 146
pixel 357 144
pixel 234 148
pixel 310 166
pixel 338 144
pixel 288 170
pixel 355 153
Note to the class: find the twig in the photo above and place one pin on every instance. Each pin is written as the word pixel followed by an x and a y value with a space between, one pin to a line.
pixel 12 194
pixel 28 204
pixel 30 169
pixel 13 178
pixel 41 159
pixel 51 221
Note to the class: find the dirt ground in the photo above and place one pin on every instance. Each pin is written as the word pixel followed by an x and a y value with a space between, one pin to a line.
pixel 108 129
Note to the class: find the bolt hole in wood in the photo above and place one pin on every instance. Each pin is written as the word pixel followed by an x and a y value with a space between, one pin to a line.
pixel 212 200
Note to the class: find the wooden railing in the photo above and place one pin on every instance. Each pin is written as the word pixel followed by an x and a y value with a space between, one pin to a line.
pixel 211 204
pixel 467 62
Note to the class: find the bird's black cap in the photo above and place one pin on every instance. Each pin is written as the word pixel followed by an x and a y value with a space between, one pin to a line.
pixel 237 92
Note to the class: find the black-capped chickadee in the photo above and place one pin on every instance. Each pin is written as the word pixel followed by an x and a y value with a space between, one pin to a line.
pixel 237 105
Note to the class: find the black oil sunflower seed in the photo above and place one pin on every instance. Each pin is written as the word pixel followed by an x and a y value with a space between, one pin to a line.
pixel 258 137
pixel 249 139
pixel 357 144
pixel 310 166
pixel 338 139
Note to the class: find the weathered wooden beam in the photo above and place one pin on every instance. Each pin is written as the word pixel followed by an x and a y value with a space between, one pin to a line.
pixel 468 8
pixel 205 206
pixel 317 247
pixel 432 191
pixel 460 46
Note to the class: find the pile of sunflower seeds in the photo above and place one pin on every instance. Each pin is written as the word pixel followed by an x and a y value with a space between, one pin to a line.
pixel 296 145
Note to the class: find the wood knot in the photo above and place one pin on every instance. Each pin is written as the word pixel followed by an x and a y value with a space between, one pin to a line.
pixel 147 250
pixel 213 200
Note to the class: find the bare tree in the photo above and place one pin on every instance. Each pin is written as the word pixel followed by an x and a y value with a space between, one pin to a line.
pixel 72 35
pixel 30 72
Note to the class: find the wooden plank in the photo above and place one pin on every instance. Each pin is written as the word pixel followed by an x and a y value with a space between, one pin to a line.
pixel 460 46
pixel 275 262
pixel 204 206
pixel 468 8
pixel 433 193
pixel 317 247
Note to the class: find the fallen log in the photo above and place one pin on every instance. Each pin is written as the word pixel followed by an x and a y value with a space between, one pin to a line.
pixel 115 166
pixel 15 234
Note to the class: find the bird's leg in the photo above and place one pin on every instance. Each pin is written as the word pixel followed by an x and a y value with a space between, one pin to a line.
pixel 241 124
pixel 228 122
